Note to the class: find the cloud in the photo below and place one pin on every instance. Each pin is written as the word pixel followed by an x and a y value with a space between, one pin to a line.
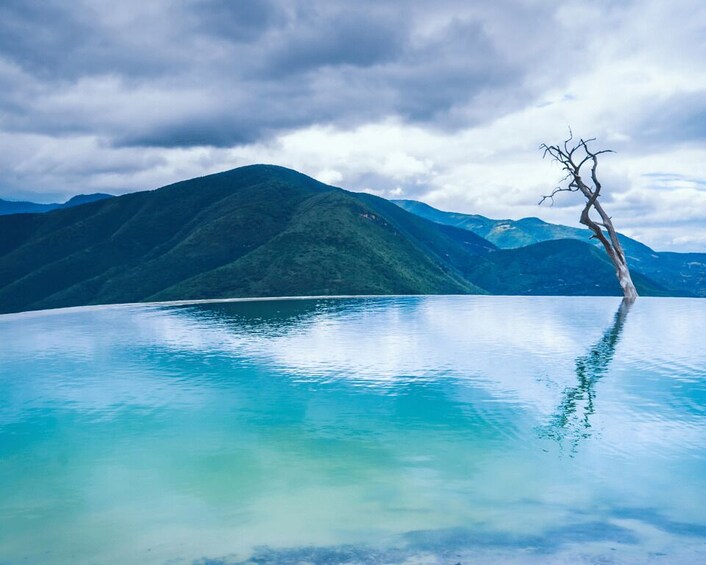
pixel 350 38
pixel 237 22
pixel 444 101
pixel 677 119
pixel 229 73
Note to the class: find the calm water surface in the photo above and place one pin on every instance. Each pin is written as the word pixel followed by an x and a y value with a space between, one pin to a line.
pixel 435 430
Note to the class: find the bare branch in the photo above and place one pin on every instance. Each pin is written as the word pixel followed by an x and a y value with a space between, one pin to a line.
pixel 554 192
pixel 573 156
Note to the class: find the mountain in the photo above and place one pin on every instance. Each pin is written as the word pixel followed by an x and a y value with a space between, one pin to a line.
pixel 264 230
pixel 259 230
pixel 684 273
pixel 559 267
pixel 21 207
pixel 80 199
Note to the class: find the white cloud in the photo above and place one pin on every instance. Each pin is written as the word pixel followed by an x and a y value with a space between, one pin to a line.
pixel 329 176
pixel 635 82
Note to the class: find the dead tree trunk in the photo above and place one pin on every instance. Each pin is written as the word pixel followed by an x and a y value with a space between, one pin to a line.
pixel 572 158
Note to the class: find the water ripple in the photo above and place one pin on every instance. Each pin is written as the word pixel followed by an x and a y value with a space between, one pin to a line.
pixel 428 429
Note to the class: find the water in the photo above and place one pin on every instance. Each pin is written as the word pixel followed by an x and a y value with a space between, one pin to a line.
pixel 392 430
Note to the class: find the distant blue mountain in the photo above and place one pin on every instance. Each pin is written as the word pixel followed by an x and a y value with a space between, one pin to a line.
pixel 22 207
pixel 683 272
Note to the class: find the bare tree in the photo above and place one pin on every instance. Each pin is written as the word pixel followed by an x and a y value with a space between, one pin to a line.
pixel 573 156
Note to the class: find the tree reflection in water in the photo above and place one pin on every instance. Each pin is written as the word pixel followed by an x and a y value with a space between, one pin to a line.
pixel 571 422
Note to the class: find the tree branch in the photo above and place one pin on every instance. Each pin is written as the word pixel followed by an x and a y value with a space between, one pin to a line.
pixel 568 157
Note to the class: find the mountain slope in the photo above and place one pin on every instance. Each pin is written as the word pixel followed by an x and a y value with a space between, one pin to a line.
pixel 21 207
pixel 684 273
pixel 559 267
pixel 259 230
pixel 264 230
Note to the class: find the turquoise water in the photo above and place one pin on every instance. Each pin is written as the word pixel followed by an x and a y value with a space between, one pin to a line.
pixel 390 430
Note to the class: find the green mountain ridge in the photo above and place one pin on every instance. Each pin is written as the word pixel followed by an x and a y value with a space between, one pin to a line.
pixel 259 230
pixel 684 273
pixel 265 230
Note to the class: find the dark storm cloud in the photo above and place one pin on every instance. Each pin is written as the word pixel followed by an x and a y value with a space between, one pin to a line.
pixel 237 21
pixel 38 37
pixel 348 38
pixel 58 42
pixel 221 73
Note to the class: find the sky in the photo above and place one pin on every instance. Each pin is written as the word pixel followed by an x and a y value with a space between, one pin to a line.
pixel 444 101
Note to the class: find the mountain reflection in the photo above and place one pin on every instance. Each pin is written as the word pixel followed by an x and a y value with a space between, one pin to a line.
pixel 571 421
pixel 273 317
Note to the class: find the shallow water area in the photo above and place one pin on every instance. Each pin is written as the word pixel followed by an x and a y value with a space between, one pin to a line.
pixel 459 429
